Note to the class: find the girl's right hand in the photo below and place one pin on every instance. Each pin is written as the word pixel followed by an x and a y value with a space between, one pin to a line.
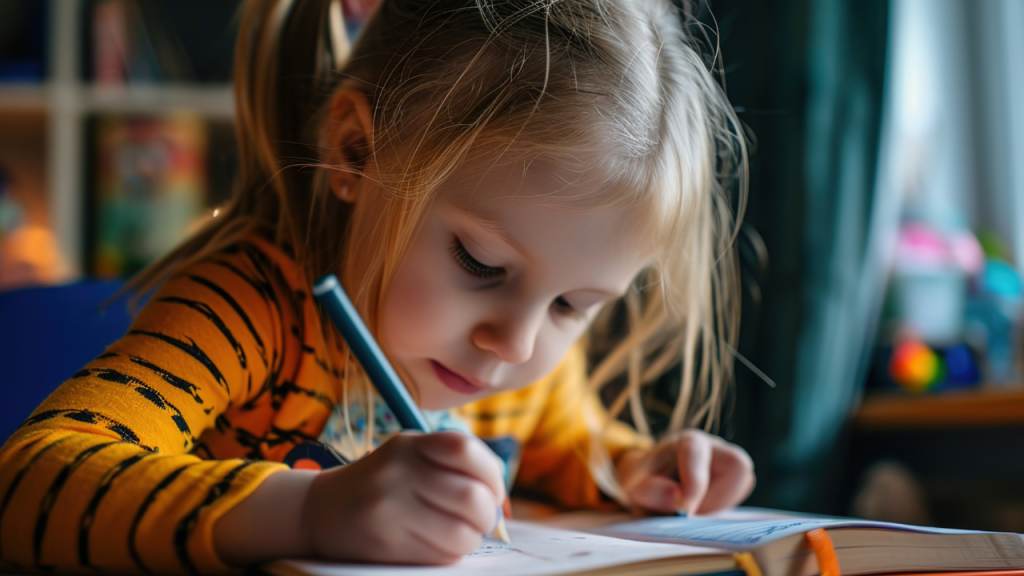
pixel 418 499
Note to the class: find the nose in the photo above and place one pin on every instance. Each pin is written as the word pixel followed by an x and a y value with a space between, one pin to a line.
pixel 511 338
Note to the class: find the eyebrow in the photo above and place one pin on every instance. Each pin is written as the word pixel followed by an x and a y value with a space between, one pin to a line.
pixel 495 227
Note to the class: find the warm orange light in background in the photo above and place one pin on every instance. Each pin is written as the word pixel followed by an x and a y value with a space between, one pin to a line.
pixel 30 256
pixel 29 251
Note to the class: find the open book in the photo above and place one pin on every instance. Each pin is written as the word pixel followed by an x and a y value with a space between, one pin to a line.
pixel 663 546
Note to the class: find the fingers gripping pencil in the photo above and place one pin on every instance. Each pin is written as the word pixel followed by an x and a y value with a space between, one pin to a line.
pixel 364 347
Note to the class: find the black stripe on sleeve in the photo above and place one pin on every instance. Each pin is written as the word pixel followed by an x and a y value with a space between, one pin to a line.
pixel 323 364
pixel 263 288
pixel 150 498
pixel 281 436
pixel 216 289
pixel 267 386
pixel 150 394
pixel 192 350
pixel 179 383
pixel 288 387
pixel 271 273
pixel 212 316
pixel 21 473
pixel 89 516
pixel 46 506
pixel 89 417
pixel 202 450
pixel 251 442
pixel 187 525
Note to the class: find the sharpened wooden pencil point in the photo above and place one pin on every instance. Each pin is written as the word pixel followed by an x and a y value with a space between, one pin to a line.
pixel 501 532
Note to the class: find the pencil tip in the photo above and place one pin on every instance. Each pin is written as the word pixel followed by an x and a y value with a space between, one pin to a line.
pixel 501 532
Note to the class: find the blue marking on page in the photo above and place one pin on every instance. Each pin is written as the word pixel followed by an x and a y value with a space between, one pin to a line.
pixel 742 533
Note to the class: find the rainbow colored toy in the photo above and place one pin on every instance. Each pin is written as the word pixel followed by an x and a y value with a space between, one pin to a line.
pixel 916 367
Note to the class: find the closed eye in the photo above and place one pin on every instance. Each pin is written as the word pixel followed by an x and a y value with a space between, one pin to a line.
pixel 472 265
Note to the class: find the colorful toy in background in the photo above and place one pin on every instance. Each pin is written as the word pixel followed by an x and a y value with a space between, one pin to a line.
pixel 955 313
pixel 993 317
pixel 931 276
pixel 917 368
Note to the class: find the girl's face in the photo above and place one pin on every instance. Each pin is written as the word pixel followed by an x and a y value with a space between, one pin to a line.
pixel 501 280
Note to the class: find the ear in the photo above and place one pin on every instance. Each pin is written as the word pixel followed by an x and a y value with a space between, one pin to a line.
pixel 349 142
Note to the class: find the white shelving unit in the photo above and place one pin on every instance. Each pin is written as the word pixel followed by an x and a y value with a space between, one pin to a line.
pixel 67 101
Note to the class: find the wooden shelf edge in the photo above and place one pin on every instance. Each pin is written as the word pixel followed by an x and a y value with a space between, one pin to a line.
pixel 976 408
pixel 16 97
pixel 216 101
pixel 212 101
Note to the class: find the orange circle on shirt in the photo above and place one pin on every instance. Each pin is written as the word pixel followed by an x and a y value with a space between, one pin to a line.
pixel 306 464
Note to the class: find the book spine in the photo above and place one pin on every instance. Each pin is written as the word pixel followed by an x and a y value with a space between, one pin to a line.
pixel 110 43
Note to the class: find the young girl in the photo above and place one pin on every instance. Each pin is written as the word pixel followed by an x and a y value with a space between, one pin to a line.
pixel 489 178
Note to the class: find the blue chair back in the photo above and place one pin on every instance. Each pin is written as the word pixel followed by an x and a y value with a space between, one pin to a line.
pixel 46 335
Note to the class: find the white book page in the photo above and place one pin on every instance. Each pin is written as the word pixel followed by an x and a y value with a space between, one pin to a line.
pixel 745 528
pixel 535 551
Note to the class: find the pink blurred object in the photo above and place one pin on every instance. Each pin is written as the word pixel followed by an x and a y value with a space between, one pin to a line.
pixel 922 247
pixel 967 252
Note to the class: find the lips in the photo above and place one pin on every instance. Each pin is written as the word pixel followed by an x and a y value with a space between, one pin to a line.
pixel 453 381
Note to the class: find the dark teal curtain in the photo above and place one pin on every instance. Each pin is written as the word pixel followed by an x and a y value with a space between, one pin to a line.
pixel 807 77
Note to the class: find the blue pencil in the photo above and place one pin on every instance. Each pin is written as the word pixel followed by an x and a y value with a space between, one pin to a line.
pixel 364 347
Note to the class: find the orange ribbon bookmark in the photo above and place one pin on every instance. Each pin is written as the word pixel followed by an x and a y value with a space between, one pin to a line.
pixel 821 544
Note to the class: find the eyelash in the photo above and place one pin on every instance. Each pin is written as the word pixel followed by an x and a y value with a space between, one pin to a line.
pixel 471 265
pixel 564 305
pixel 485 272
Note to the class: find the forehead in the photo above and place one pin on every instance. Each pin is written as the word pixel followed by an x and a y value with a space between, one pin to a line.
pixel 559 218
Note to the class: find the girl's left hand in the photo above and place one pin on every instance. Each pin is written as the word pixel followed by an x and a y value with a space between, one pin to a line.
pixel 690 471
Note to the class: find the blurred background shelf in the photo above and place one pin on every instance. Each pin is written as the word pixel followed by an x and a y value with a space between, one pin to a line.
pixel 16 97
pixel 69 68
pixel 211 101
pixel 982 407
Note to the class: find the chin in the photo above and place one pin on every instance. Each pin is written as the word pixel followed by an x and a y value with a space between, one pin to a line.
pixel 428 397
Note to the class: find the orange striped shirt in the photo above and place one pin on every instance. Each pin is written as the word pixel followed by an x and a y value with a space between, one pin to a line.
pixel 127 466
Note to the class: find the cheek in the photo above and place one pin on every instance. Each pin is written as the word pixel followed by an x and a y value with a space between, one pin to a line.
pixel 420 310
pixel 551 347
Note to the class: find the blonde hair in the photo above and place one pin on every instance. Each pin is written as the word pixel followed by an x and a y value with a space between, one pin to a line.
pixel 571 81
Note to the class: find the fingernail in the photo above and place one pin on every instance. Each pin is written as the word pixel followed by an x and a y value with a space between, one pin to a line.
pixel 684 507
pixel 673 499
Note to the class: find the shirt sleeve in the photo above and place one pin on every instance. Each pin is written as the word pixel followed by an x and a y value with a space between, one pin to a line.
pixel 102 476
pixel 556 458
